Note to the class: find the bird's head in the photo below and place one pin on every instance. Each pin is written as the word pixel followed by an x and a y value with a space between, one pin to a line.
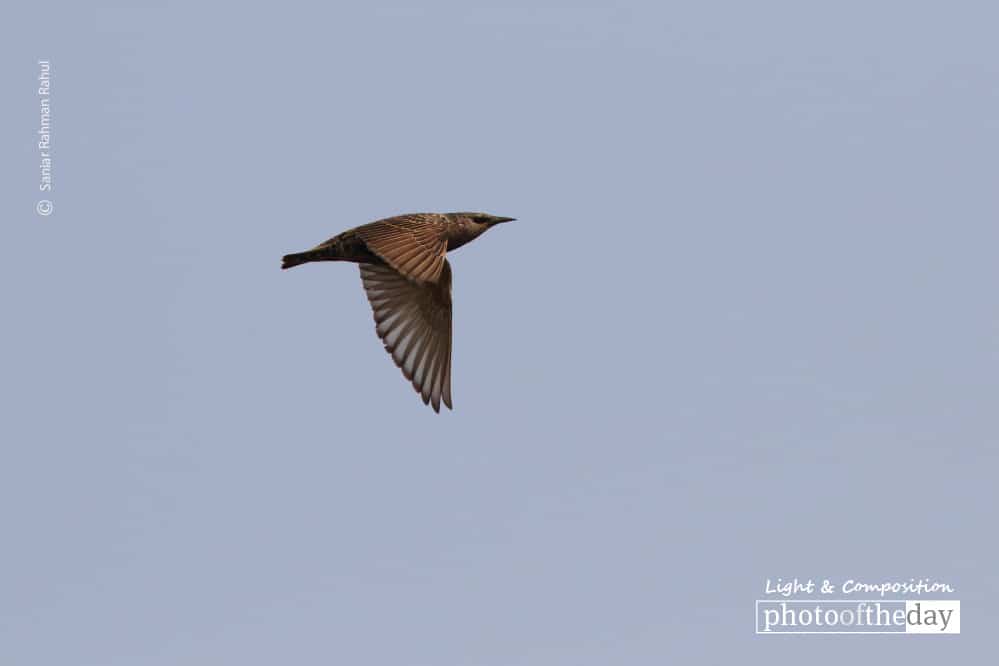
pixel 485 218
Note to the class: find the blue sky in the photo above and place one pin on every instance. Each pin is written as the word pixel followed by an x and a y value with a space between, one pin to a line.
pixel 743 328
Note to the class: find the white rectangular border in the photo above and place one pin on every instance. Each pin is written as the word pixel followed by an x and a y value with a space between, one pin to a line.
pixel 756 617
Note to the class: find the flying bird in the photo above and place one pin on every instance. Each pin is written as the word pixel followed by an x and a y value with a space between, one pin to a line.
pixel 407 279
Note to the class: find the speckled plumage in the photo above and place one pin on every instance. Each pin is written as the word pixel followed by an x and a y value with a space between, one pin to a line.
pixel 407 280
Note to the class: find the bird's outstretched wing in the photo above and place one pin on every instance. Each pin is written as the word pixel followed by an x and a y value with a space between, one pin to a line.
pixel 414 322
pixel 414 245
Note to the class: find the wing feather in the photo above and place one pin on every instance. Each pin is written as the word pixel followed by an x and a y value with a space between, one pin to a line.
pixel 413 320
pixel 414 245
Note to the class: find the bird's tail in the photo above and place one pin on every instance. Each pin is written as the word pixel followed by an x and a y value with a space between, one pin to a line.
pixel 292 260
pixel 331 250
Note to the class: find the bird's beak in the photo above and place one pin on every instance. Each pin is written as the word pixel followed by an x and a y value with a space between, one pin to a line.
pixel 500 220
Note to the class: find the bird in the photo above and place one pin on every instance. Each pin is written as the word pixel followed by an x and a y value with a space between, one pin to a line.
pixel 407 280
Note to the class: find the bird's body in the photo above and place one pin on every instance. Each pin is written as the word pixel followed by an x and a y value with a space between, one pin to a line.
pixel 407 279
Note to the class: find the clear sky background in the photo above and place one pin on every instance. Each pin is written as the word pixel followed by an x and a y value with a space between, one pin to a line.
pixel 745 327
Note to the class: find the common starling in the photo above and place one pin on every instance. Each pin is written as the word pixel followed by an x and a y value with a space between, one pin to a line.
pixel 408 282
